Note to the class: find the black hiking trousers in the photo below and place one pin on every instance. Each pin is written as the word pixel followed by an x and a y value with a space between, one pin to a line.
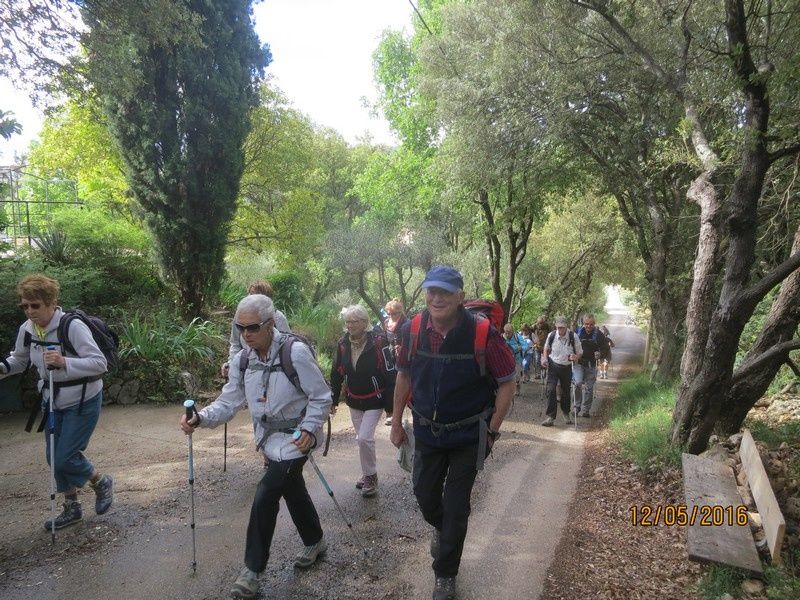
pixel 283 479
pixel 443 479
pixel 558 374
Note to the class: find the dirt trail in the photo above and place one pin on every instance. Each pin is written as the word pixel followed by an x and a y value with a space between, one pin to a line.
pixel 141 549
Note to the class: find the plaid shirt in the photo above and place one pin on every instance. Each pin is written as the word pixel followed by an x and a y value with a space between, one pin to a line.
pixel 499 360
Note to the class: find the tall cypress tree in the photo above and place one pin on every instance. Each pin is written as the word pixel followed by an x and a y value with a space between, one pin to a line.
pixel 178 94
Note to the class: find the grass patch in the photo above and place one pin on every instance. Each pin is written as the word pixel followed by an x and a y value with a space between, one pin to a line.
pixel 640 421
pixel 772 434
pixel 719 581
pixel 784 581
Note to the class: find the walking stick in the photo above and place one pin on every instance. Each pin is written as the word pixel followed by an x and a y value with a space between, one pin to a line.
pixel 327 487
pixel 225 448
pixel 51 426
pixel 190 412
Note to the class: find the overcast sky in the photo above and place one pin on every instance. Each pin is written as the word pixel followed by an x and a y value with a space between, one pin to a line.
pixel 321 59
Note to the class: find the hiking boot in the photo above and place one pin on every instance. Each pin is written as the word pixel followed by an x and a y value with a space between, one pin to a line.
pixel 360 482
pixel 444 588
pixel 436 542
pixel 104 494
pixel 568 418
pixel 71 514
pixel 388 421
pixel 370 487
pixel 548 422
pixel 310 553
pixel 246 584
pixel 585 414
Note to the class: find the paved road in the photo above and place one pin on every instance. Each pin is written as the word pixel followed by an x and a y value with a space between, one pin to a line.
pixel 141 549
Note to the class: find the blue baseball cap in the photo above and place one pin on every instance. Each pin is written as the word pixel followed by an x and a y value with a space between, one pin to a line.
pixel 444 277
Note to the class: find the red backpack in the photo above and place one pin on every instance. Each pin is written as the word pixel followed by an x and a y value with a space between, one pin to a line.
pixel 487 308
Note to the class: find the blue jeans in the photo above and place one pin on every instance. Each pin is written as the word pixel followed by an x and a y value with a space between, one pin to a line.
pixel 72 433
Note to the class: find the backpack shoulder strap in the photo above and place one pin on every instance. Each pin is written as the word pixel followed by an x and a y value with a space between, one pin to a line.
pixel 416 326
pixel 285 356
pixel 481 339
pixel 63 330
pixel 549 340
pixel 26 339
pixel 572 341
pixel 244 361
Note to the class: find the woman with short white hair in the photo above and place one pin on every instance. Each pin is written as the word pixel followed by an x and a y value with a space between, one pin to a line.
pixel 359 370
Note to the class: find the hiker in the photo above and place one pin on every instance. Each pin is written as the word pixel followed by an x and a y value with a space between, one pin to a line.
pixel 461 394
pixel 359 370
pixel 594 345
pixel 527 335
pixel 605 359
pixel 78 392
pixel 540 331
pixel 394 320
pixel 278 406
pixel 518 347
pixel 562 350
pixel 236 341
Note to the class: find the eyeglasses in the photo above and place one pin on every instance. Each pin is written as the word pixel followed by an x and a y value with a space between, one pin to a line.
pixel 252 328
pixel 30 305
pixel 352 322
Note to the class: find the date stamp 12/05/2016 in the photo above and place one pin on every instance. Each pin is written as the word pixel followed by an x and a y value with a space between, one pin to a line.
pixel 705 515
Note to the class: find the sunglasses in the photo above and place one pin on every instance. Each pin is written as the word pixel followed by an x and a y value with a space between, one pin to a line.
pixel 30 305
pixel 252 328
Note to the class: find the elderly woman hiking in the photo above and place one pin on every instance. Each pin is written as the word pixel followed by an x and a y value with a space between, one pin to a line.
pixel 78 392
pixel 360 370
pixel 279 405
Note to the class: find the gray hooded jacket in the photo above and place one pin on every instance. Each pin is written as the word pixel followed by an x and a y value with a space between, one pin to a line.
pixel 271 396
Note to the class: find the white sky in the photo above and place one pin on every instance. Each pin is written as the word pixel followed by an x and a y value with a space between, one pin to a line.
pixel 321 59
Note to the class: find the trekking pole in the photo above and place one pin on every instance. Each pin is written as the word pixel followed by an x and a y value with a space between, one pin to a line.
pixel 327 487
pixel 51 427
pixel 225 448
pixel 190 412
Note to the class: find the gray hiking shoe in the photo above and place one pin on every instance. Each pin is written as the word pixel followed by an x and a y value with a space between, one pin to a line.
pixel 548 422
pixel 71 514
pixel 444 588
pixel 436 542
pixel 360 482
pixel 246 584
pixel 370 487
pixel 104 494
pixel 310 554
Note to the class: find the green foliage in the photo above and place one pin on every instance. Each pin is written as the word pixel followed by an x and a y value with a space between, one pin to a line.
pixel 774 434
pixel 784 581
pixel 160 338
pixel 320 324
pixel 287 290
pixel 640 421
pixel 230 294
pixel 54 246
pixel 719 581
pixel 179 113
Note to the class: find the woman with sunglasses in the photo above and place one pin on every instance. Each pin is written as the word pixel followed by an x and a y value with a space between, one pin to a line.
pixel 278 409
pixel 78 392
pixel 359 369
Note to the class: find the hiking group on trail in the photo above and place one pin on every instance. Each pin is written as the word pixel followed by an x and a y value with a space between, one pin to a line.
pixel 455 365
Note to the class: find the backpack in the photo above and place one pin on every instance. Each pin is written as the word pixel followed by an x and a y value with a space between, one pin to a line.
pixel 487 308
pixel 106 339
pixel 481 338
pixel 285 363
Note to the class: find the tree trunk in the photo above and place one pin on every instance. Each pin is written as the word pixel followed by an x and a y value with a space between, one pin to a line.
pixel 752 379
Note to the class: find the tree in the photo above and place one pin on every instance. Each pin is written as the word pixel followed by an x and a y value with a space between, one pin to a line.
pixel 8 125
pixel 179 112
pixel 735 146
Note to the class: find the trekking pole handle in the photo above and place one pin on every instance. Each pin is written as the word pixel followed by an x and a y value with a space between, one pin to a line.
pixel 191 409
pixel 51 367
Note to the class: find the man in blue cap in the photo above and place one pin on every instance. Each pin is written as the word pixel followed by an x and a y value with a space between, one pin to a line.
pixel 460 374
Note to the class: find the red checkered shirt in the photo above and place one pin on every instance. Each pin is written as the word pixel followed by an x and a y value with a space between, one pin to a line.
pixel 499 359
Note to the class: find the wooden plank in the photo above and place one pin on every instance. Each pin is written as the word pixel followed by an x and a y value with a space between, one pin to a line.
pixel 710 483
pixel 766 502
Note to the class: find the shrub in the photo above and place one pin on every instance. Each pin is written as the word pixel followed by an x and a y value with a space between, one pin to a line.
pixel 163 340
pixel 287 291
pixel 320 324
